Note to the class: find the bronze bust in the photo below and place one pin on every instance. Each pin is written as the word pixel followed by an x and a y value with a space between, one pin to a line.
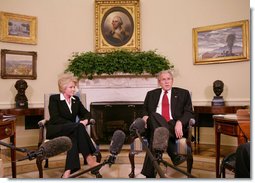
pixel 218 87
pixel 20 98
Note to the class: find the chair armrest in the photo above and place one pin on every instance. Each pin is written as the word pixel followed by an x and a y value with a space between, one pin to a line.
pixel 42 123
pixel 93 132
pixel 42 131
pixel 192 122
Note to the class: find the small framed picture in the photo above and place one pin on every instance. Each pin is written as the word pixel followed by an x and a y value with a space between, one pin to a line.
pixel 221 43
pixel 117 25
pixel 17 28
pixel 18 64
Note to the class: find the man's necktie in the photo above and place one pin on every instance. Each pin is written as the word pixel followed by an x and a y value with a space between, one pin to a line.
pixel 165 107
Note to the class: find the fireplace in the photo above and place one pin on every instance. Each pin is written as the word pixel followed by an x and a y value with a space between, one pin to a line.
pixel 114 115
pixel 115 102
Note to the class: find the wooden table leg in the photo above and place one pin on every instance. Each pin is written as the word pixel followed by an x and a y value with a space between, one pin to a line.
pixel 195 135
pixel 198 134
pixel 13 156
pixel 217 141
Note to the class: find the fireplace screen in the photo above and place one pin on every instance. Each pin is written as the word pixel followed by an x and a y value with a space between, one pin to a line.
pixel 111 116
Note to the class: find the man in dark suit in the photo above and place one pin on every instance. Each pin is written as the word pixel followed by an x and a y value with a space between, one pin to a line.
pixel 170 107
pixel 242 166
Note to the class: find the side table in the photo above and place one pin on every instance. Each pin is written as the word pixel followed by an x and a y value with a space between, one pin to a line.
pixel 227 126
pixel 7 129
pixel 204 116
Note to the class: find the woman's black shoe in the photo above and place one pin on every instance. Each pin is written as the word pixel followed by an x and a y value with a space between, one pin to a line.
pixel 97 173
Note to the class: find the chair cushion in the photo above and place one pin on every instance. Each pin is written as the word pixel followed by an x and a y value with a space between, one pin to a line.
pixel 137 146
pixel 182 147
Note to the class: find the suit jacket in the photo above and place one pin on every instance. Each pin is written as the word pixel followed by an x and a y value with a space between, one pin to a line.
pixel 62 121
pixel 181 105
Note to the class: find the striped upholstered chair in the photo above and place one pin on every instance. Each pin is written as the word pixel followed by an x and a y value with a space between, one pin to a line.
pixel 184 147
pixel 42 132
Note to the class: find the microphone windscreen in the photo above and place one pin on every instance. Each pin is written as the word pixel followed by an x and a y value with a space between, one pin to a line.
pixel 55 146
pixel 138 124
pixel 117 142
pixel 160 139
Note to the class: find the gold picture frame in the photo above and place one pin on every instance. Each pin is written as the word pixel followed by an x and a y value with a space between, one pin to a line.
pixel 221 43
pixel 125 13
pixel 16 28
pixel 18 64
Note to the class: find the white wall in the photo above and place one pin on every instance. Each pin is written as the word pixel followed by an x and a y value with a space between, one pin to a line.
pixel 66 26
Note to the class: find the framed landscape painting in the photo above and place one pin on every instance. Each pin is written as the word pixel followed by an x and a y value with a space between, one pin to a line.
pixel 18 64
pixel 229 42
pixel 16 28
pixel 117 25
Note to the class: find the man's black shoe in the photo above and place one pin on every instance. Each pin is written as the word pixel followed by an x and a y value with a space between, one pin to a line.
pixel 178 160
pixel 193 139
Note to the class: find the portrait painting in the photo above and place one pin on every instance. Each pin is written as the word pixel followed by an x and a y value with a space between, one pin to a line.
pixel 18 64
pixel 117 25
pixel 221 43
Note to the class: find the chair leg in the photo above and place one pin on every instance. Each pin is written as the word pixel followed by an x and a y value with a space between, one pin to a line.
pixel 189 157
pixel 189 163
pixel 132 162
pixel 46 165
pixel 223 173
pixel 39 166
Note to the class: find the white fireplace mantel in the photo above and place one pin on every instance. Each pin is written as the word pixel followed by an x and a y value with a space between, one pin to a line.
pixel 103 89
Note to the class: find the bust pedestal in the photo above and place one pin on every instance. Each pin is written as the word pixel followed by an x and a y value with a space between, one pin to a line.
pixel 218 101
pixel 21 104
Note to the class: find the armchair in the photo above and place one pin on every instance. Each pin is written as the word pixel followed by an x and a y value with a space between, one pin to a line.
pixel 184 147
pixel 43 130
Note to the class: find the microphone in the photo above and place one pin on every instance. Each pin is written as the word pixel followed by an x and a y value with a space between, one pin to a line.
pixel 139 125
pixel 160 139
pixel 50 148
pixel 116 144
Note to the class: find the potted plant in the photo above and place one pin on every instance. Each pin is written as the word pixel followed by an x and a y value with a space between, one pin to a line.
pixel 90 64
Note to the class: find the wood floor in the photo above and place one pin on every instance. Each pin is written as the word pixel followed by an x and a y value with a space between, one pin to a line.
pixel 203 166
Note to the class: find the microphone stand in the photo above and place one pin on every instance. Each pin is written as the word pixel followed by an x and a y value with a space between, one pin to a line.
pixel 12 147
pixel 30 154
pixel 95 169
pixel 153 159
pixel 166 164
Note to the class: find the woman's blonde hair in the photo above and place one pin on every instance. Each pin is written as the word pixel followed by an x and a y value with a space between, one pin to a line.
pixel 64 79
